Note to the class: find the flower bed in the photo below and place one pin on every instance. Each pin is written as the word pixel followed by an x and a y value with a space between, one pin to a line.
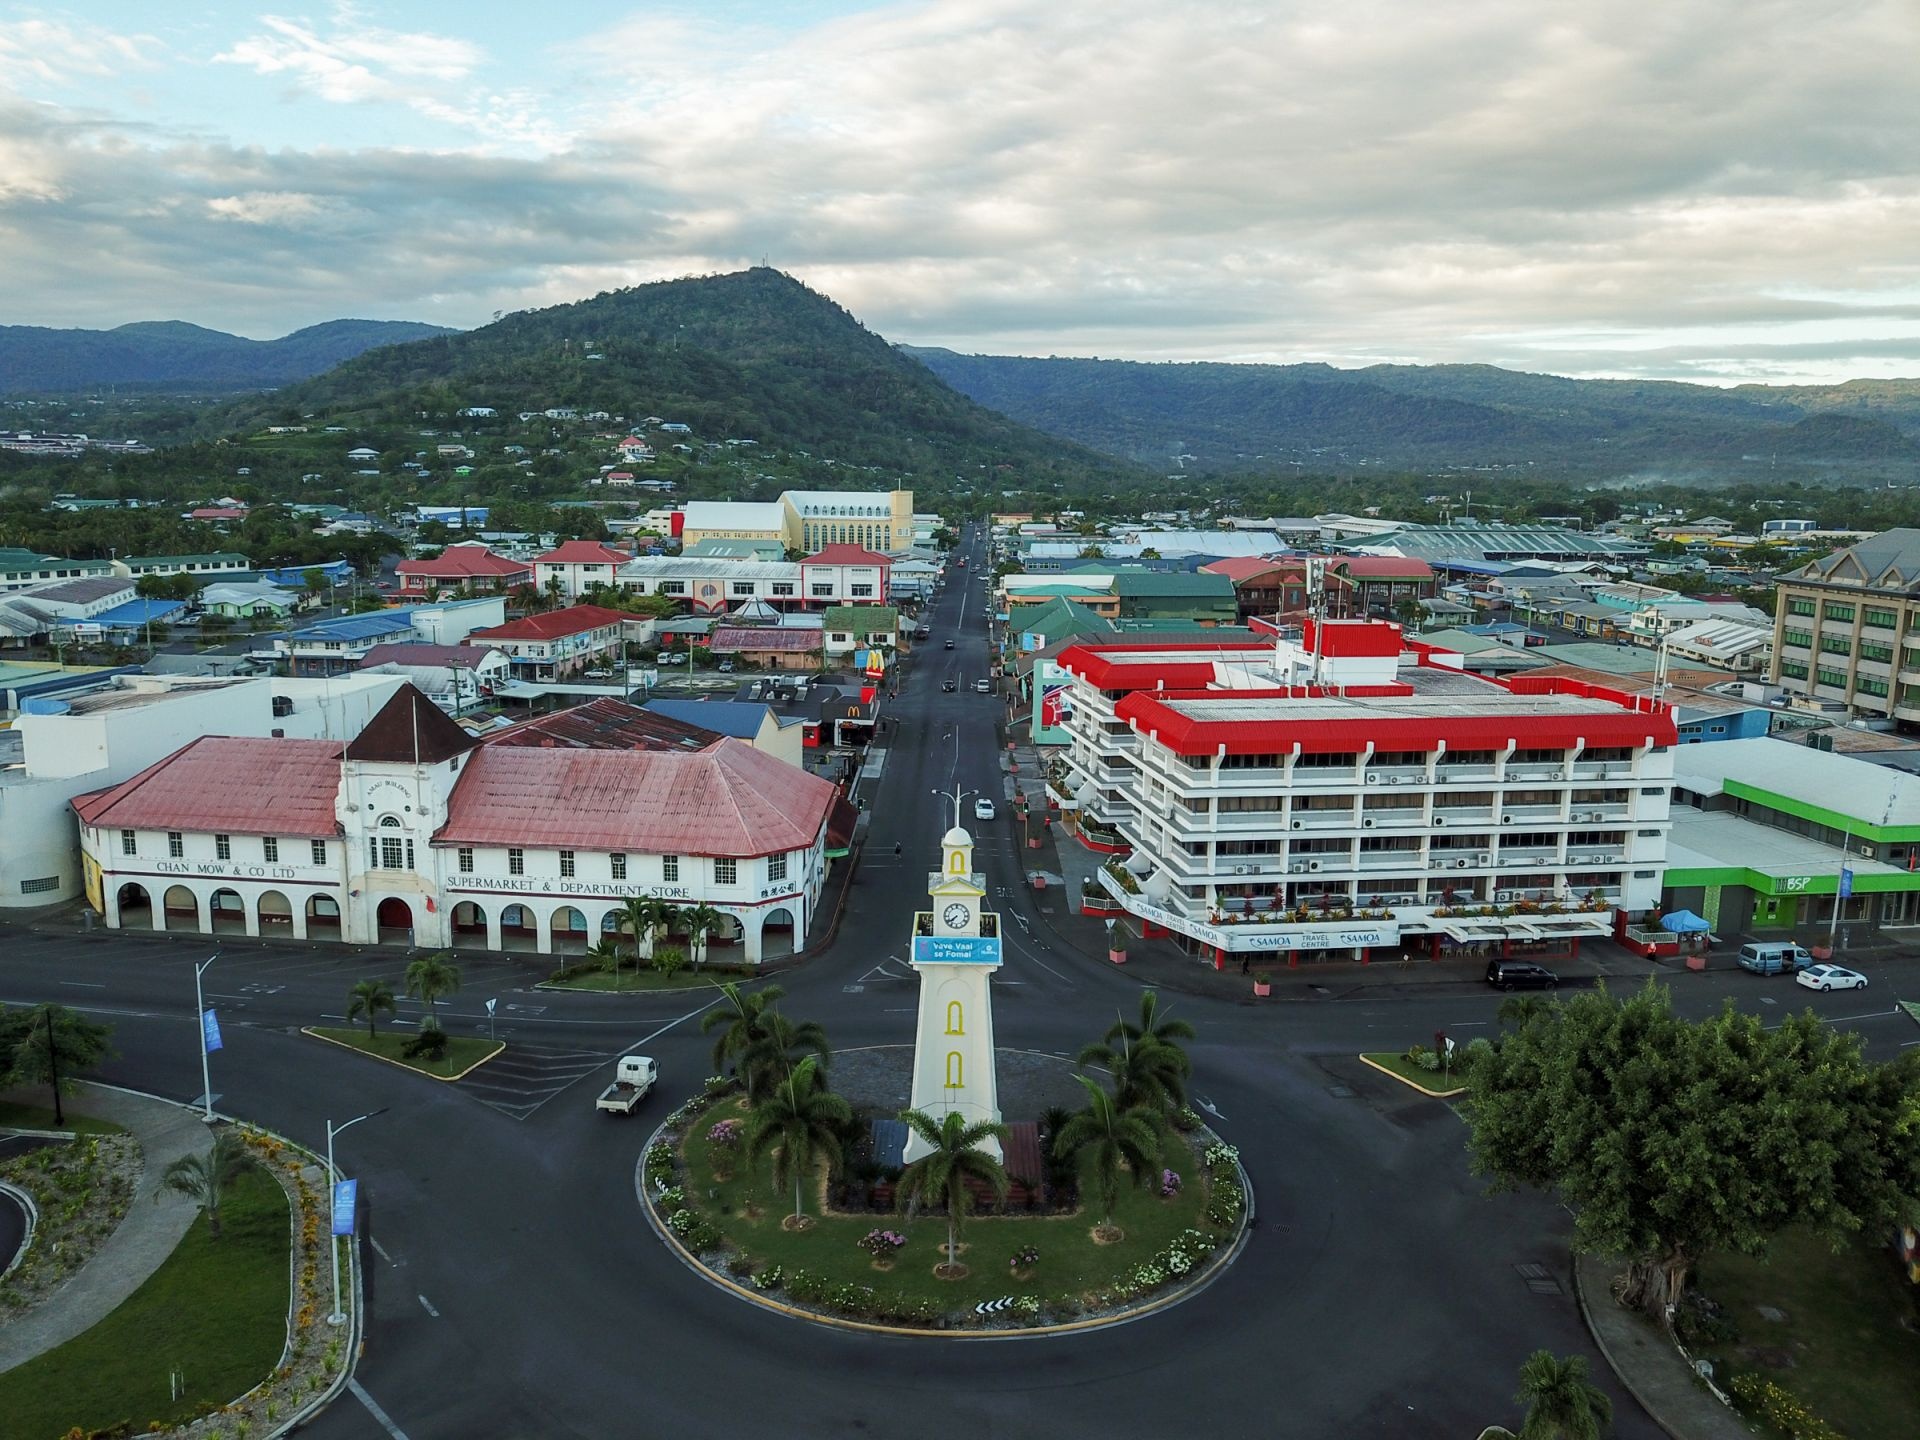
pixel 1034 1269
pixel 82 1189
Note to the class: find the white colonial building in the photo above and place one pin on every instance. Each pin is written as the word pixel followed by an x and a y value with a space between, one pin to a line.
pixel 416 833
pixel 1349 790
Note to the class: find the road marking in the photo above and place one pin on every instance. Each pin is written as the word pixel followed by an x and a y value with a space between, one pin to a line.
pixel 427 1305
pixel 1207 1105
pixel 87 984
pixel 381 1251
pixel 384 1420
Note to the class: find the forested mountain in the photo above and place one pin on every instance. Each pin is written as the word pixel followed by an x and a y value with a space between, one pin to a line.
pixel 179 356
pixel 1251 417
pixel 752 355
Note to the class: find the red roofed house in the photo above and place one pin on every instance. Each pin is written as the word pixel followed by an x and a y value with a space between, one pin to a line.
pixel 844 575
pixel 414 833
pixel 467 564
pixel 558 643
pixel 1382 584
pixel 1353 790
pixel 578 564
pixel 1265 589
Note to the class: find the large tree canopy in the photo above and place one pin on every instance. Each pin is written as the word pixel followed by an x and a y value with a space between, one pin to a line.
pixel 1671 1138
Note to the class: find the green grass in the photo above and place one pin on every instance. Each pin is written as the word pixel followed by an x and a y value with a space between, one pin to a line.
pixel 706 978
pixel 1855 1359
pixel 462 1051
pixel 1070 1263
pixel 1437 1080
pixel 215 1309
pixel 40 1117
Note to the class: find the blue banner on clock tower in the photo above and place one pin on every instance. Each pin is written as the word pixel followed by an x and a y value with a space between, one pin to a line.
pixel 956 949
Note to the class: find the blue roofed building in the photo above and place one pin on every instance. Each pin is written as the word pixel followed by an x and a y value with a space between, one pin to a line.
pixel 333 647
pixel 780 736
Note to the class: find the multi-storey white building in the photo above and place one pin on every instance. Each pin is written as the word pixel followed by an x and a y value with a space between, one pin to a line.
pixel 711 584
pixel 1349 789
pixel 415 833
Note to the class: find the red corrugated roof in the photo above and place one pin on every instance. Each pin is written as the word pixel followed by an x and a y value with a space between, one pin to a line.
pixel 731 800
pixel 846 555
pixel 554 623
pixel 459 561
pixel 1241 568
pixel 1090 663
pixel 227 785
pixel 1375 638
pixel 582 552
pixel 1382 567
pixel 735 639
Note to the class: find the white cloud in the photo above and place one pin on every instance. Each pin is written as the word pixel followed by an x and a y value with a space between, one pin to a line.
pixel 265 207
pixel 58 51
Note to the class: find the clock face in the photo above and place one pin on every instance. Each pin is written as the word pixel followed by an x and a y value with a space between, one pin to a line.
pixel 955 915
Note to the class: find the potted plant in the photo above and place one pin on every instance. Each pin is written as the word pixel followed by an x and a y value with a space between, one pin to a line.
pixel 1263 984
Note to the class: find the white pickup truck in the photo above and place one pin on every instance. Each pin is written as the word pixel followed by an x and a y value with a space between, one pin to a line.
pixel 633 1078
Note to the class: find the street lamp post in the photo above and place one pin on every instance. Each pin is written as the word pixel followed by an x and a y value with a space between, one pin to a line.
pixel 956 795
pixel 200 1021
pixel 333 1180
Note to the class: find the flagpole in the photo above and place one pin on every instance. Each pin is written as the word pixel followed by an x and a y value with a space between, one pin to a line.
pixel 200 1014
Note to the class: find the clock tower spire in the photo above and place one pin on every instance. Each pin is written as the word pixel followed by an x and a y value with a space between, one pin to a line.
pixel 956 949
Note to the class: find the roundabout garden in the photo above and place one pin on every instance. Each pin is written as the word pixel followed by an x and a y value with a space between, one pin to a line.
pixel 787 1191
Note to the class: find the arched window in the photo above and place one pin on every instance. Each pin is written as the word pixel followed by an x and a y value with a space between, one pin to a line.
pixel 955 1080
pixel 955 1024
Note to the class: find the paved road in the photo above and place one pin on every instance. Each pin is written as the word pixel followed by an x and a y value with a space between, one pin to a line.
pixel 514 1291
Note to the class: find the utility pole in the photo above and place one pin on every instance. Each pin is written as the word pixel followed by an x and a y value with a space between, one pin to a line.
pixel 53 1068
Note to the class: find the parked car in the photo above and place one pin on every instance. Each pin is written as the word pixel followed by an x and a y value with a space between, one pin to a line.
pixel 1831 977
pixel 983 809
pixel 1520 975
pixel 985 687
pixel 949 686
pixel 1773 957
pixel 726 667
pixel 599 674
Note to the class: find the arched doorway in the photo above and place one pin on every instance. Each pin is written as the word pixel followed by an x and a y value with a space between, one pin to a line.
pixel 776 933
pixel 182 907
pixel 229 912
pixel 516 929
pixel 136 907
pixel 276 914
pixel 569 931
pixel 395 921
pixel 469 923
pixel 323 914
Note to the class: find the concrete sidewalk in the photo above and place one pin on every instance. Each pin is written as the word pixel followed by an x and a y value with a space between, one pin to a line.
pixel 1648 1365
pixel 145 1237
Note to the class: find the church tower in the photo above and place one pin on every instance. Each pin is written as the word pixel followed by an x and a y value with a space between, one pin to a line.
pixel 956 949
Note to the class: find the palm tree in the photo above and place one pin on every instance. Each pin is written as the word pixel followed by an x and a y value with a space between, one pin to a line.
pixel 206 1178
pixel 799 1122
pixel 1153 1024
pixel 742 1016
pixel 369 998
pixel 1521 1011
pixel 605 953
pixel 941 1175
pixel 430 978
pixel 1148 1075
pixel 1562 1403
pixel 775 1050
pixel 701 921
pixel 1102 1139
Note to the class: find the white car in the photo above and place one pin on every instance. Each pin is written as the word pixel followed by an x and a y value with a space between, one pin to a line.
pixel 983 810
pixel 1831 977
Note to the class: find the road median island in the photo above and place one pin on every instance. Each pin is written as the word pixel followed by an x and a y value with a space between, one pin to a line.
pixel 1431 1083
pixel 464 1054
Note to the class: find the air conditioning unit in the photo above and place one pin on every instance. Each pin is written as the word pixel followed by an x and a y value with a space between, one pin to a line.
pixel 1866 852
pixel 1396 779
pixel 1439 819
pixel 1483 858
pixel 1460 864
pixel 1313 865
pixel 1503 896
pixel 1298 867
pixel 1367 824
pixel 1297 824
pixel 1241 869
pixel 1506 819
pixel 1372 778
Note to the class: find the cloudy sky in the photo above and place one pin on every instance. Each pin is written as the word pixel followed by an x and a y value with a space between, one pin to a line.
pixel 1706 189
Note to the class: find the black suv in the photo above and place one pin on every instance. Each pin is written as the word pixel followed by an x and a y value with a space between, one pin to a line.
pixel 1520 975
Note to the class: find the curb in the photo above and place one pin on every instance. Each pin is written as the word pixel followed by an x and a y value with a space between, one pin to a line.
pixel 32 1211
pixel 1218 1264
pixel 1586 1315
pixel 493 1054
pixel 1395 1075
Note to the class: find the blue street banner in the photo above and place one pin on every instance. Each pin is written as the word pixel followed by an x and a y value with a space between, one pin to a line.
pixel 1846 883
pixel 956 950
pixel 346 1199
pixel 210 1031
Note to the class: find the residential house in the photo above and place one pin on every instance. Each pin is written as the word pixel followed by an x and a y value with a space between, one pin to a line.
pixel 559 643
pixel 578 565
pixel 845 575
pixel 468 564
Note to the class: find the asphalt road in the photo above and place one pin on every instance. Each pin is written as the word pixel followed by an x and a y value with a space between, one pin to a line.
pixel 515 1291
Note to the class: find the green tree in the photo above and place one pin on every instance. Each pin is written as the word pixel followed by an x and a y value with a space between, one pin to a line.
pixel 776 1049
pixel 798 1123
pixel 49 1045
pixel 1148 1065
pixel 605 953
pixel 643 917
pixel 940 1176
pixel 431 978
pixel 1103 1140
pixel 1649 1127
pixel 701 921
pixel 369 998
pixel 1520 1011
pixel 1562 1403
pixel 741 1021
pixel 207 1178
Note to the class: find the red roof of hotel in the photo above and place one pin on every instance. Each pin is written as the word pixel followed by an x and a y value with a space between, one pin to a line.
pixel 1239 568
pixel 583 552
pixel 460 561
pixel 553 624
pixel 1380 567
pixel 846 555
pixel 227 785
pixel 1090 663
pixel 730 800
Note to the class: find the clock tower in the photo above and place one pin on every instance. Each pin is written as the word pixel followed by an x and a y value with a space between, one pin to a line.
pixel 956 949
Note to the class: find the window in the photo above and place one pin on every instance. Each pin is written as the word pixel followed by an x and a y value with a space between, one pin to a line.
pixel 863 591
pixel 270 849
pixel 566 862
pixel 1867 686
pixel 395 853
pixel 670 867
pixel 726 871
pixel 319 852
pixel 956 1078
pixel 1792 671
pixel 820 590
pixel 516 861
pixel 464 858
pixel 783 587
pixel 617 865
pixel 223 847
pixel 1824 676
pixel 956 1024
pixel 1800 607
pixel 1843 614
pixel 743 587
pixel 176 847
pixel 1881 653
pixel 129 843
pixel 1881 619
pixel 1801 638
pixel 1835 645
pixel 776 867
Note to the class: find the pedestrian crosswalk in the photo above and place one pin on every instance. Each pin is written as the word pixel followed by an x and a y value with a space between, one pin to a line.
pixel 522 1078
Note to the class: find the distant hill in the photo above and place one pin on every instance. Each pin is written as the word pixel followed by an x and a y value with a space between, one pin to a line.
pixel 1315 417
pixel 753 355
pixel 176 355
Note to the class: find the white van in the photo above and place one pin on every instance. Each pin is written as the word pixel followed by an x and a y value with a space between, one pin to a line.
pixel 1773 957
